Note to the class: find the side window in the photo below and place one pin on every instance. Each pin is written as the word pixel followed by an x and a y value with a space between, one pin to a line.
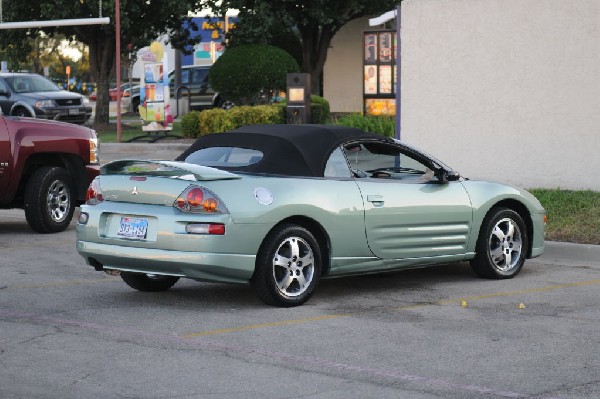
pixel 185 76
pixel 384 161
pixel 336 165
pixel 3 86
pixel 199 74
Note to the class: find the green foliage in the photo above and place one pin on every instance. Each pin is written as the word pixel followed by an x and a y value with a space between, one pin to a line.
pixel 314 23
pixel 242 73
pixel 319 109
pixel 573 216
pixel 382 125
pixel 159 17
pixel 218 120
pixel 190 124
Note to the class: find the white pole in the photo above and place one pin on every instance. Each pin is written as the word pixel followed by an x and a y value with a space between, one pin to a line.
pixel 56 22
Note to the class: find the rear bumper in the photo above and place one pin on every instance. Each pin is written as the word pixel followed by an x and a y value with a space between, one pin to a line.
pixel 230 268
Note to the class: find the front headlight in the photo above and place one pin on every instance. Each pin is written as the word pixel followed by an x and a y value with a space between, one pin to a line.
pixel 44 104
pixel 85 101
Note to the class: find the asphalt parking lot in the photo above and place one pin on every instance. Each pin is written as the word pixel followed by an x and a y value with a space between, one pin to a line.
pixel 67 331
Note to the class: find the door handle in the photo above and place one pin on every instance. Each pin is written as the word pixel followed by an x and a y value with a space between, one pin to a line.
pixel 377 200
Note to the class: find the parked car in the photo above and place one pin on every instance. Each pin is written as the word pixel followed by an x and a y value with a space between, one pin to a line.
pixel 282 206
pixel 32 95
pixel 112 93
pixel 195 78
pixel 45 169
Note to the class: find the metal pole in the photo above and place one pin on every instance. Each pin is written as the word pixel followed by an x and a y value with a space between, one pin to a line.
pixel 398 72
pixel 56 22
pixel 118 55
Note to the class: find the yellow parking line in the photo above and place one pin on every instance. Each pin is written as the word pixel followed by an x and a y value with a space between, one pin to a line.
pixel 407 307
pixel 263 325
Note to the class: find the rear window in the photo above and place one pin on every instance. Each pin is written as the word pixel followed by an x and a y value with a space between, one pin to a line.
pixel 232 157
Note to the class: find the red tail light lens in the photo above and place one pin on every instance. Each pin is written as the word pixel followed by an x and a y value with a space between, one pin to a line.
pixel 93 194
pixel 199 200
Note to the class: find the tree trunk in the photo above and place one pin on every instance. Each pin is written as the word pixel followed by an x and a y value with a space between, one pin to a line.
pixel 315 43
pixel 102 63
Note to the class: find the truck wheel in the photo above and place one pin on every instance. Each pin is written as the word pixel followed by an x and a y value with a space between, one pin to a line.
pixel 21 112
pixel 49 202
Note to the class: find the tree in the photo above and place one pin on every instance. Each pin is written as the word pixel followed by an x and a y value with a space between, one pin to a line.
pixel 315 23
pixel 237 79
pixel 141 23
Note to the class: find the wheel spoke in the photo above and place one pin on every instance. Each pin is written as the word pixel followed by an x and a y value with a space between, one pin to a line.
pixel 511 229
pixel 498 233
pixel 281 261
pixel 508 260
pixel 285 283
pixel 496 254
pixel 301 281
pixel 294 248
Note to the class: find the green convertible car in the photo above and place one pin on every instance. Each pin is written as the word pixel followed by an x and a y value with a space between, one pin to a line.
pixel 282 206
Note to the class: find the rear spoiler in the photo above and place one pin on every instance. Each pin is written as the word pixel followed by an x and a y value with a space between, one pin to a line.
pixel 171 169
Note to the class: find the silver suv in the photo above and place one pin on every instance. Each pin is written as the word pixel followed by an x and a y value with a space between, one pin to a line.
pixel 32 95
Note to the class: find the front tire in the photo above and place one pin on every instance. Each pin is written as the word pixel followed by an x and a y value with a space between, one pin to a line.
pixel 288 267
pixel 502 245
pixel 148 282
pixel 49 201
pixel 22 113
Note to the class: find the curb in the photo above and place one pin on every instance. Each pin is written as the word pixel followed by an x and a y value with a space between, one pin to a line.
pixel 561 252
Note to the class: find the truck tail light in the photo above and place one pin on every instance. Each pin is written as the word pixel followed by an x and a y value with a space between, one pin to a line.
pixel 94 195
pixel 94 149
pixel 197 199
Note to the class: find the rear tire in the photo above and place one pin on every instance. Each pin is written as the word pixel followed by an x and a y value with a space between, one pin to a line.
pixel 288 267
pixel 502 245
pixel 49 201
pixel 148 282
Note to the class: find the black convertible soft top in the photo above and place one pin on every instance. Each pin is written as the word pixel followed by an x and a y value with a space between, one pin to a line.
pixel 293 150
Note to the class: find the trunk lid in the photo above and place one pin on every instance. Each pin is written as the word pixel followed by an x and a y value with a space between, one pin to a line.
pixel 153 182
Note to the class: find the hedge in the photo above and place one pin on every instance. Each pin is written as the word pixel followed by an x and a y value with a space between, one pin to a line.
pixel 217 120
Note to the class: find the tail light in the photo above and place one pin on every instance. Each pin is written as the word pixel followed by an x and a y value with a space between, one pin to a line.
pixel 197 199
pixel 94 148
pixel 93 194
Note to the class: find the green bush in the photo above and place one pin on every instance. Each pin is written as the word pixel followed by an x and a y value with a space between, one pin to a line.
pixel 190 124
pixel 243 72
pixel 218 120
pixel 319 109
pixel 382 125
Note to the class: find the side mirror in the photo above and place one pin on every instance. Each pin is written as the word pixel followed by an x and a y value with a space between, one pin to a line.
pixel 446 176
pixel 4 92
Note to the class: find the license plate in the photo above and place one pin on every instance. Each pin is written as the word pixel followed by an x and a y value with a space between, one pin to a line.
pixel 133 228
pixel 73 111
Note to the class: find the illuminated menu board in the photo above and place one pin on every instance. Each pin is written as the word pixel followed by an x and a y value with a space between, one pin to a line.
pixel 380 72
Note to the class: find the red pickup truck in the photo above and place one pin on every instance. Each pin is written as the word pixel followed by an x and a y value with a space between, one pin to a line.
pixel 45 169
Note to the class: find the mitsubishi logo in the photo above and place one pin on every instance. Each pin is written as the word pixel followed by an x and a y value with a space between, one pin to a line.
pixel 135 191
